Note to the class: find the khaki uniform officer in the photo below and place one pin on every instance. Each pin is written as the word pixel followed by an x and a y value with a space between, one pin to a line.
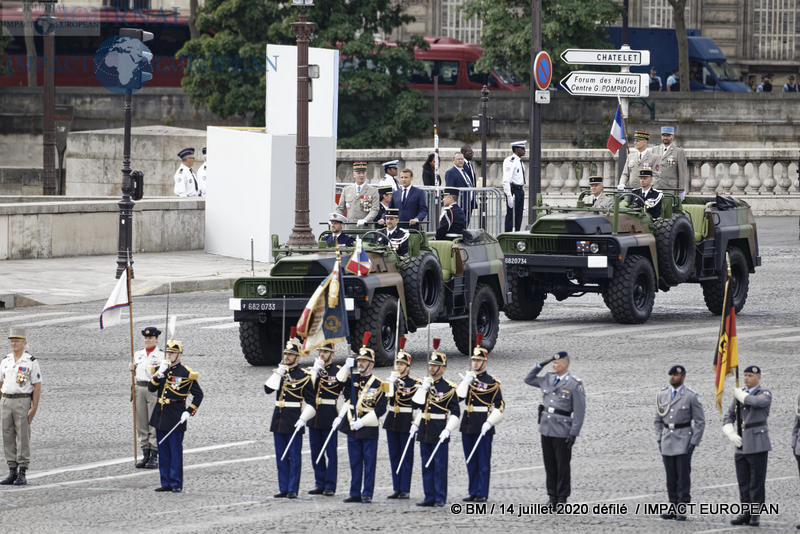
pixel 145 363
pixel 642 156
pixel 359 201
pixel 672 163
pixel 21 386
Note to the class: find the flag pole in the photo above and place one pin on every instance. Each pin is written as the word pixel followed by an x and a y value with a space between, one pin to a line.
pixel 133 372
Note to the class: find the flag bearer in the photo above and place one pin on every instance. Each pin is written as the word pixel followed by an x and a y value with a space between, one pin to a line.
pixel 145 362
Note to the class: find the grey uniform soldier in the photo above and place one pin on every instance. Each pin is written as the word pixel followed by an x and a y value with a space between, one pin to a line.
pixel 751 441
pixel 359 200
pixel 640 157
pixel 674 172
pixel 21 387
pixel 560 420
pixel 145 363
pixel 677 407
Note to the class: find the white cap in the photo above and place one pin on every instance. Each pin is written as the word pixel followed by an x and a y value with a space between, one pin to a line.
pixel 521 144
pixel 392 163
pixel 338 217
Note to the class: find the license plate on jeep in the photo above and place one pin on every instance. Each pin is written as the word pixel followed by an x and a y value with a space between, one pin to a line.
pixel 235 304
pixel 516 260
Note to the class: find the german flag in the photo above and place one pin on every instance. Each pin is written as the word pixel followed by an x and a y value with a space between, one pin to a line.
pixel 727 357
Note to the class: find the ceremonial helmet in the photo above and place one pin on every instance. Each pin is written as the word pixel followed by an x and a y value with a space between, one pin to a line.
pixel 292 345
pixel 437 358
pixel 366 353
pixel 479 353
pixel 173 345
pixel 402 355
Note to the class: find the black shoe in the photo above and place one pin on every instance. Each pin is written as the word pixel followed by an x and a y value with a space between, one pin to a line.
pixel 438 504
pixel 145 457
pixel 152 462
pixel 164 488
pixel 425 503
pixel 329 493
pixel 755 521
pixel 668 516
pixel 177 490
pixel 480 499
pixel 21 480
pixel 402 495
pixel 281 495
pixel 393 495
pixel 291 495
pixel 353 499
pixel 469 498
pixel 366 500
pixel 316 491
pixel 12 476
pixel 741 520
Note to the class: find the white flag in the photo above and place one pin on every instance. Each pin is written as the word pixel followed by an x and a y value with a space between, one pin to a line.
pixel 118 300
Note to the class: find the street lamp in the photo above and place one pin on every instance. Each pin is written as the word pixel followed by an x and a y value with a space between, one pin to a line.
pixel 301 233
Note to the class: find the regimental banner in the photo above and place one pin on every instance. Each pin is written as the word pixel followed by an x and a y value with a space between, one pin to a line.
pixel 613 84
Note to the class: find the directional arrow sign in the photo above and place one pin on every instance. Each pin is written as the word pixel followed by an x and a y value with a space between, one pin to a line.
pixel 584 83
pixel 576 56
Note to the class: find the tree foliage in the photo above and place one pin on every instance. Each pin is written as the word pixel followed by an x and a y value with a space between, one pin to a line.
pixel 376 108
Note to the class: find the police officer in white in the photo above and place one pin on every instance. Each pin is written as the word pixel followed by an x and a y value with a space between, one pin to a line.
pixel 390 175
pixel 145 363
pixel 514 186
pixel 186 183
pixel 202 175
pixel 21 387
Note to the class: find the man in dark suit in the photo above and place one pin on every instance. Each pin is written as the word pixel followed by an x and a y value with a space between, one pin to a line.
pixel 457 176
pixel 336 221
pixel 410 201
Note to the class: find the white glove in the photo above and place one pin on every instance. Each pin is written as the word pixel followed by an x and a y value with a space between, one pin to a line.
pixel 740 394
pixel 361 222
pixel 162 369
pixel 356 425
pixel 444 435
pixel 299 423
pixel 682 195
pixel 620 187
pixel 487 426
pixel 350 362
pixel 393 378
pixel 336 422
pixel 426 383
pixel 281 370
pixel 510 200
pixel 185 417
pixel 413 430
pixel 317 365
pixel 468 378
pixel 729 431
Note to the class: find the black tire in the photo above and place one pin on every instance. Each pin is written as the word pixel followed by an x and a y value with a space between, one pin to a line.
pixel 676 248
pixel 714 290
pixel 527 299
pixel 485 319
pixel 424 287
pixel 261 344
pixel 631 293
pixel 380 319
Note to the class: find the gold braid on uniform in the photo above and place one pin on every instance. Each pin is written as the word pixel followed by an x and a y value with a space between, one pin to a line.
pixel 441 404
pixel 182 389
pixel 472 396
pixel 361 406
pixel 398 399
pixel 323 387
pixel 294 389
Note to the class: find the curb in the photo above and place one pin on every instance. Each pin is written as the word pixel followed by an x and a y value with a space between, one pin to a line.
pixel 188 286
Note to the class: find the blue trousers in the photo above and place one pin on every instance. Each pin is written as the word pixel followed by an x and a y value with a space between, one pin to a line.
pixel 324 471
pixel 363 454
pixel 480 466
pixel 289 468
pixel 396 441
pixel 170 459
pixel 434 478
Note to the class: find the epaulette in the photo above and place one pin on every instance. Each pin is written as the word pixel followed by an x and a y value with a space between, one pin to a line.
pixel 33 358
pixel 512 158
pixel 665 388
pixel 384 387
pixel 306 370
pixel 689 389
pixel 193 375
pixel 451 384
pixel 180 170
pixel 578 380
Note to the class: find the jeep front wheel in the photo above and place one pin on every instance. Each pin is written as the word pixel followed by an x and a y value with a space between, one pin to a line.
pixel 485 319
pixel 380 319
pixel 714 290
pixel 526 299
pixel 631 293
pixel 261 344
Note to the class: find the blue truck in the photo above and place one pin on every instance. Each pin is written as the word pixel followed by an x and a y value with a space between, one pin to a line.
pixel 709 70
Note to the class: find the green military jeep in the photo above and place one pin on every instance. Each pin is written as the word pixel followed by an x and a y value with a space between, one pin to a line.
pixel 626 255
pixel 436 282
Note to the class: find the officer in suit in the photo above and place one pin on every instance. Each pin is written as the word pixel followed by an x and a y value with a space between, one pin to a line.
pixel 641 156
pixel 21 387
pixel 326 392
pixel 390 175
pixel 452 220
pixel 294 407
pixel 457 176
pixel 560 420
pixel 652 197
pixel 483 411
pixel 393 235
pixel 673 170
pixel 410 201
pixel 469 166
pixel 398 419
pixel 144 364
pixel 385 197
pixel 514 186
pixel 337 236
pixel 679 425
pixel 751 440
pixel 437 419
pixel 359 201
pixel 598 198
pixel 173 382
pixel 365 396
pixel 202 176
pixel 186 184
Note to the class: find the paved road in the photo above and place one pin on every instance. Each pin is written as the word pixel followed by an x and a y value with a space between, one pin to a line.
pixel 82 480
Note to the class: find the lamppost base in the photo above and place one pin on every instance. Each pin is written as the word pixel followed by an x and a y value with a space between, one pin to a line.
pixel 302 236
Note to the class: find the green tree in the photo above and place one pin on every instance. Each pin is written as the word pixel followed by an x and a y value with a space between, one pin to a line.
pixel 506 37
pixel 376 108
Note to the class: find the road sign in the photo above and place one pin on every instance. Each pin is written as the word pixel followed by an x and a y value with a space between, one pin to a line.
pixel 586 83
pixel 542 97
pixel 543 70
pixel 576 56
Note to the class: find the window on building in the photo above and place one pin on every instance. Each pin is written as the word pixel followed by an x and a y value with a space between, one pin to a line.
pixel 658 14
pixel 455 25
pixel 775 29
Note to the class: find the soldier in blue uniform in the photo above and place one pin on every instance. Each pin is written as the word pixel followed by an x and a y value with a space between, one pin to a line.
pixel 294 406
pixel 679 425
pixel 560 420
pixel 452 220
pixel 365 395
pixel 652 197
pixel 437 419
pixel 393 235
pixel 173 382
pixel 385 199
pixel 402 387
pixel 326 391
pixel 483 410
pixel 337 221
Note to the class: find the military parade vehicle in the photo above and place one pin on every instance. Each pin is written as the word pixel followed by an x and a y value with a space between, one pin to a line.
pixel 460 282
pixel 626 255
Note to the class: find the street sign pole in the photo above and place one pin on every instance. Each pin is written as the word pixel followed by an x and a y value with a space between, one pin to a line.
pixel 535 168
pixel 623 103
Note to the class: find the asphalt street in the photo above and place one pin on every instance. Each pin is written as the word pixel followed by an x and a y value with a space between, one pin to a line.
pixel 82 477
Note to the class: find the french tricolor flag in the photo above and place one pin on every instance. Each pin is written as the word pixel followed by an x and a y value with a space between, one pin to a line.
pixel 617 136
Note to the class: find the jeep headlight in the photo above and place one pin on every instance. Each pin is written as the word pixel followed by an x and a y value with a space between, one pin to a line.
pixel 521 246
pixel 262 289
pixel 594 248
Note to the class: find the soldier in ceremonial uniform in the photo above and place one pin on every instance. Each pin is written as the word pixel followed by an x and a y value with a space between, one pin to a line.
pixel 673 170
pixel 641 156
pixel 598 198
pixel 366 398
pixel 560 420
pixel 390 175
pixel 145 363
pixel 437 419
pixel 452 220
pixel 186 184
pixel 483 410
pixel 402 387
pixel 336 236
pixel 679 425
pixel 326 391
pixel 514 186
pixel 359 201
pixel 385 197
pixel 21 387
pixel 294 407
pixel 652 197
pixel 393 235
pixel 173 382
pixel 751 439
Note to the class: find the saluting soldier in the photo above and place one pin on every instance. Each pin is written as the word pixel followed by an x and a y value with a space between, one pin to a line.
pixel 145 363
pixel 326 392
pixel 393 235
pixel 452 220
pixel 514 186
pixel 437 420
pixel 359 201
pixel 672 166
pixel 483 411
pixel 173 383
pixel 679 425
pixel 402 387
pixel 21 387
pixel 186 184
pixel 365 395
pixel 641 156
pixel 652 197
pixel 560 420
pixel 294 406
pixel 751 441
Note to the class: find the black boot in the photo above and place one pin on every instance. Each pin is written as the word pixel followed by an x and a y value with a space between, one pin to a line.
pixel 152 462
pixel 21 480
pixel 145 458
pixel 743 519
pixel 12 476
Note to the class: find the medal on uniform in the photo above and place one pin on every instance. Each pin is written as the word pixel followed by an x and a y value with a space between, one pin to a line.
pixel 662 410
pixel 23 375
